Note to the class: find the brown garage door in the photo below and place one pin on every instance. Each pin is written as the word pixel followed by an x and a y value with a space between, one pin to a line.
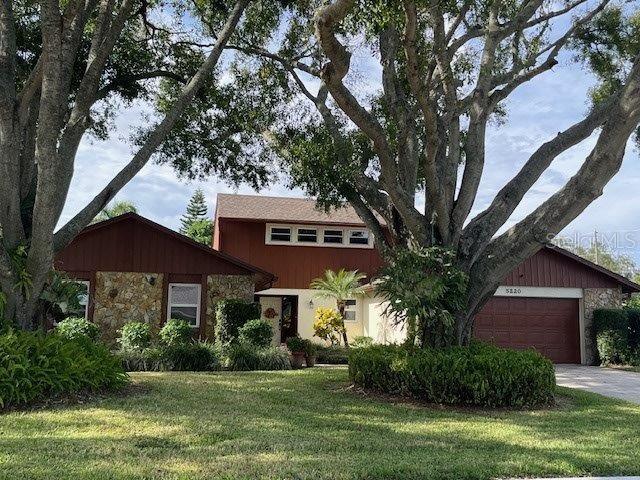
pixel 550 325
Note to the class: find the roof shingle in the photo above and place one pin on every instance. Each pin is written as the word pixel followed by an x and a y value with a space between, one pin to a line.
pixel 281 209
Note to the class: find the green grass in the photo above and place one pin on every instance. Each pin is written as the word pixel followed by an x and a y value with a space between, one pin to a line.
pixel 305 424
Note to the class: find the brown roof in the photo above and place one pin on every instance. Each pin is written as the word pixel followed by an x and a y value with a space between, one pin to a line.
pixel 281 209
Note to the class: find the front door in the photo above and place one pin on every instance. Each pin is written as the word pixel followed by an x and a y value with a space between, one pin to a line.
pixel 289 318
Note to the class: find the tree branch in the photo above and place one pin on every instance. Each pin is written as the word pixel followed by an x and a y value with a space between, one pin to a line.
pixel 155 139
pixel 604 161
pixel 479 231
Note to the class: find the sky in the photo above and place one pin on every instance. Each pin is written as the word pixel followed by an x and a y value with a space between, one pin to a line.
pixel 536 112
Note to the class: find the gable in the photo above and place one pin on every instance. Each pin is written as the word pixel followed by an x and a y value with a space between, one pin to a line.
pixel 133 244
pixel 555 267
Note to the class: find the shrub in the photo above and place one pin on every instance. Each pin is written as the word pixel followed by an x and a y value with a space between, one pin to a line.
pixel 480 375
pixel 612 347
pixel 295 344
pixel 361 342
pixel 230 316
pixel 191 357
pixel 75 327
pixel 633 316
pixel 243 356
pixel 258 332
pixel 422 287
pixel 175 332
pixel 135 336
pixel 310 348
pixel 611 327
pixel 333 355
pixel 34 366
pixel 145 360
pixel 328 325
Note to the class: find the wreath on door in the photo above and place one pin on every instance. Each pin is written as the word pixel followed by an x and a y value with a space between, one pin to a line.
pixel 270 313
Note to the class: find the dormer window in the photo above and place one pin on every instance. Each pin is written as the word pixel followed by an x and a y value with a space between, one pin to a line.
pixel 307 235
pixel 280 234
pixel 333 236
pixel 359 237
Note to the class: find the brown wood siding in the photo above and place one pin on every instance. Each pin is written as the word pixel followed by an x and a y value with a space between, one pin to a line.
pixel 547 268
pixel 132 246
pixel 295 266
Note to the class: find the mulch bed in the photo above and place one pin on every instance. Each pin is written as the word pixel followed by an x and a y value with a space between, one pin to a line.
pixel 559 403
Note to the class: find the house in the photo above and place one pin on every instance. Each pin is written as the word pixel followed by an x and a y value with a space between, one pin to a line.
pixel 136 270
pixel 547 302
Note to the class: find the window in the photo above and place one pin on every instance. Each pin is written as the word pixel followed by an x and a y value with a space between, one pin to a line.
pixel 307 235
pixel 359 237
pixel 280 234
pixel 350 311
pixel 328 236
pixel 332 236
pixel 83 301
pixel 184 303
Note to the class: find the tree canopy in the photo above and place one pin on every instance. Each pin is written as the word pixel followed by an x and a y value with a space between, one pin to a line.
pixel 68 69
pixel 115 209
pixel 447 71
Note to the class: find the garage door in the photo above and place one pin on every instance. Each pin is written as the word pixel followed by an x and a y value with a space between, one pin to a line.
pixel 550 325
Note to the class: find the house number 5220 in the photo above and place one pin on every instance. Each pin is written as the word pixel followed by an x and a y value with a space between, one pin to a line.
pixel 513 291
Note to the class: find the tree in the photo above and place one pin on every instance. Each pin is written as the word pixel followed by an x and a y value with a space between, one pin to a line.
pixel 340 286
pixel 196 223
pixel 201 231
pixel 65 70
pixel 196 210
pixel 448 69
pixel 599 252
pixel 115 209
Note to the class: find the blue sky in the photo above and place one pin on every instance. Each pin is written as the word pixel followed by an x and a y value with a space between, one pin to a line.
pixel 536 112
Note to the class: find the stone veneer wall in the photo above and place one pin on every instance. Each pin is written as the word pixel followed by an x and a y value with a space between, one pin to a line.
pixel 221 287
pixel 122 297
pixel 593 299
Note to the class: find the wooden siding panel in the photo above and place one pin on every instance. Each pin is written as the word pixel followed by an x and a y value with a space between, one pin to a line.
pixel 547 268
pixel 132 246
pixel 295 266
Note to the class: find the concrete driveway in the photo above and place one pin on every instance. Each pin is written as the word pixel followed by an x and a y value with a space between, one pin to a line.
pixel 605 381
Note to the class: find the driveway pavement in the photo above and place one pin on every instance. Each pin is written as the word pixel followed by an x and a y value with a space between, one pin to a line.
pixel 605 381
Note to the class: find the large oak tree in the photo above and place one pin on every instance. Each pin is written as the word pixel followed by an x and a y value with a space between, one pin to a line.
pixel 448 69
pixel 67 69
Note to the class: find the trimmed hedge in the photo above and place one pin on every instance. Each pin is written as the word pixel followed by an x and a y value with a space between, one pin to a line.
pixel 333 355
pixel 479 375
pixel 246 357
pixel 258 332
pixel 192 357
pixel 231 315
pixel 617 335
pixel 35 366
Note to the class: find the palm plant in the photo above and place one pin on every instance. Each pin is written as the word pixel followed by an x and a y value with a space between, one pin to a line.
pixel 341 286
pixel 115 209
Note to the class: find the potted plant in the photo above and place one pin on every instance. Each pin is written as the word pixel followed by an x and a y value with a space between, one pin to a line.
pixel 296 346
pixel 310 353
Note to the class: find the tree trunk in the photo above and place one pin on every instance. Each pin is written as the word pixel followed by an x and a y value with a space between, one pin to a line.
pixel 341 308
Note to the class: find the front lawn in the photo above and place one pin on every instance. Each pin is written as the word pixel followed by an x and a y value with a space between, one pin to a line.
pixel 305 424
